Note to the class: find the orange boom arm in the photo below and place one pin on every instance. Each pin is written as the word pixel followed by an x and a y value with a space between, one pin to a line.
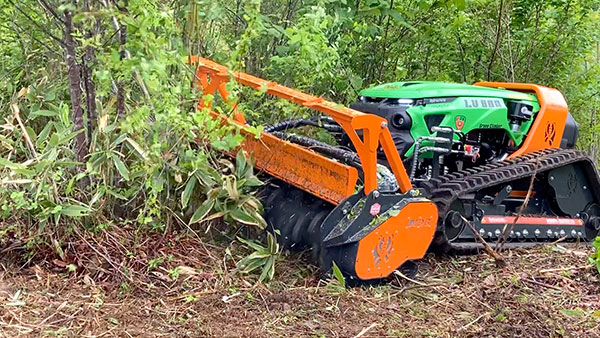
pixel 306 169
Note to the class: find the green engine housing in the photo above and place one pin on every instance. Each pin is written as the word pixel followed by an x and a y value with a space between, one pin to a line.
pixel 495 118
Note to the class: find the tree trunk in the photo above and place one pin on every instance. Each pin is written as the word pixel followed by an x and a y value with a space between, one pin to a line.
pixel 90 88
pixel 122 55
pixel 497 43
pixel 74 76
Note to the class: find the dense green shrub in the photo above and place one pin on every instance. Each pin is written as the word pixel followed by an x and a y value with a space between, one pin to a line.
pixel 138 151
pixel 154 164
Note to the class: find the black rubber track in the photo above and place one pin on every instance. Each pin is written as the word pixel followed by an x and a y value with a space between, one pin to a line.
pixel 448 188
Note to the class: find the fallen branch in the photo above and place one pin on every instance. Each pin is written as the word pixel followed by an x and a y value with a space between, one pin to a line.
pixel 505 231
pixel 569 268
pixel 532 281
pixel 473 322
pixel 17 114
pixel 500 261
pixel 559 240
pixel 365 330
pixel 398 273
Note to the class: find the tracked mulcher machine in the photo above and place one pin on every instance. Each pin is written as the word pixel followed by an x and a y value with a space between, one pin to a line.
pixel 418 165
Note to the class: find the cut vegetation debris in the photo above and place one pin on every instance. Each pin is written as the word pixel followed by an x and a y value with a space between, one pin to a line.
pixel 167 286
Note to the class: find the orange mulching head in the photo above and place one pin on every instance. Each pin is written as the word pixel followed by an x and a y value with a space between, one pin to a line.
pixel 370 233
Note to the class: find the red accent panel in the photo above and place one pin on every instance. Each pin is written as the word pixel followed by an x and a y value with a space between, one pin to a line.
pixel 531 220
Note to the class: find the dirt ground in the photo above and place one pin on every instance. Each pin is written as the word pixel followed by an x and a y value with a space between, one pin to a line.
pixel 187 287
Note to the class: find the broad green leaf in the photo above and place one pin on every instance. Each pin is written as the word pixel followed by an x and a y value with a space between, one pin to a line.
pixel 119 140
pixel 187 192
pixel 116 194
pixel 253 182
pixel 25 172
pixel 242 217
pixel 121 167
pixel 70 136
pixel 54 139
pixel 573 313
pixel 338 274
pixel 248 265
pixel 11 165
pixel 205 177
pixel 31 133
pixel 74 210
pixel 51 155
pixel 97 162
pixel 268 270
pixel 48 113
pixel 201 213
pixel 596 243
pixel 50 95
pixel 460 4
pixel 44 134
pixel 240 164
pixel 251 243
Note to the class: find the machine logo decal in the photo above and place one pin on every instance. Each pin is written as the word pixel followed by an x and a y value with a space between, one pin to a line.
pixel 383 250
pixel 483 103
pixel 375 209
pixel 460 122
pixel 572 183
pixel 419 222
pixel 490 125
pixel 550 133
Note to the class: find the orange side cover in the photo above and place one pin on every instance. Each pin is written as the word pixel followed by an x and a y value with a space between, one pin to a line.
pixel 547 129
pixel 401 238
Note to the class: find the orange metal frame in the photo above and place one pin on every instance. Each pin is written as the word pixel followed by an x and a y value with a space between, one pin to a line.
pixel 402 237
pixel 306 169
pixel 547 129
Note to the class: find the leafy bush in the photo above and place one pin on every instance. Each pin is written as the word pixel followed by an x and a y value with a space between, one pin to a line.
pixel 151 158
pixel 595 258
pixel 122 177
pixel 263 257
pixel 228 196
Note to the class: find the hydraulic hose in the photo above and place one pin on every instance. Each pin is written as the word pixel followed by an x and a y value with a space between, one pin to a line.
pixel 316 121
pixel 344 156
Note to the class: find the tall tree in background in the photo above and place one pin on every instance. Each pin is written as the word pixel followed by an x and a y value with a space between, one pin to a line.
pixel 74 75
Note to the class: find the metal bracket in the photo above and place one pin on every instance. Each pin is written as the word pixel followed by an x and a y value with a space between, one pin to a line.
pixel 502 195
